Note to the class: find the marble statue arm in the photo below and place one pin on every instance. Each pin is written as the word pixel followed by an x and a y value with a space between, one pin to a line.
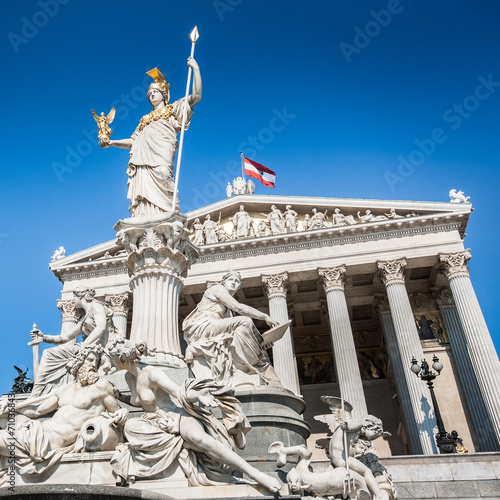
pixel 119 143
pixel 64 338
pixel 352 425
pixel 161 380
pixel 116 414
pixel 231 303
pixel 100 324
pixel 47 406
pixel 195 97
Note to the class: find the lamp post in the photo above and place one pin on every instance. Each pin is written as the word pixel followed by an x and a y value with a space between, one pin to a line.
pixel 447 443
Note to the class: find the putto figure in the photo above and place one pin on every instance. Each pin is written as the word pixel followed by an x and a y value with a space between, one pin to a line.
pixel 153 146
pixel 362 459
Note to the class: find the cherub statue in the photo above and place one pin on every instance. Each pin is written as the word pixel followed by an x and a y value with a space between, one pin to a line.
pixel 103 123
pixel 360 435
pixel 328 483
pixel 458 197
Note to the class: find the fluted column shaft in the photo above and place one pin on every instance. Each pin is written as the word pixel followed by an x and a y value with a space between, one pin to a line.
pixel 408 342
pixel 412 432
pixel 120 305
pixel 159 256
pixel 475 403
pixel 478 343
pixel 155 310
pixel 344 349
pixel 69 317
pixel 283 352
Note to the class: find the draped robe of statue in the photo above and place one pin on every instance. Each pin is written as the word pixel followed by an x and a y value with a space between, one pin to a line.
pixel 150 169
pixel 154 442
pixel 227 342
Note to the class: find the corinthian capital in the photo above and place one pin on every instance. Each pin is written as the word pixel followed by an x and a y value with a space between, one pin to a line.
pixel 392 271
pixel 333 277
pixel 275 284
pixel 68 310
pixel 119 303
pixel 455 264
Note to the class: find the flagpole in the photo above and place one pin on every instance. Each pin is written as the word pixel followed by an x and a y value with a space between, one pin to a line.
pixel 242 166
pixel 194 35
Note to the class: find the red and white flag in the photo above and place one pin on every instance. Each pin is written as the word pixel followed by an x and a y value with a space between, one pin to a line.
pixel 258 171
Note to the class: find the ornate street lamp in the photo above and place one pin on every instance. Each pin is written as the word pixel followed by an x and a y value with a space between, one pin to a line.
pixel 447 443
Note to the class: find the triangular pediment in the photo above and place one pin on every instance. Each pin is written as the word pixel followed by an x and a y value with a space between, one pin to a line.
pixel 336 219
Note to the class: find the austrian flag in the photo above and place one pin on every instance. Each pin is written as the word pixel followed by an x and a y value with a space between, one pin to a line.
pixel 258 171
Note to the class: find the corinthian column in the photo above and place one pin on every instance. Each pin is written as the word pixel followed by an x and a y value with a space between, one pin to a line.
pixel 475 403
pixel 276 286
pixel 344 350
pixel 391 342
pixel 408 344
pixel 69 316
pixel 120 304
pixel 477 339
pixel 159 256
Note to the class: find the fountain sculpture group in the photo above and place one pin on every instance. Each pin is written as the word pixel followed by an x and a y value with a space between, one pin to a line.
pixel 174 411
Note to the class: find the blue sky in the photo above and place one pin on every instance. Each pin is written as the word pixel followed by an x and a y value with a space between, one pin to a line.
pixel 356 87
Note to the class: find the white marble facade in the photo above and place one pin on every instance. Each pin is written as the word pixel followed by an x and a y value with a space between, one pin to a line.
pixel 363 283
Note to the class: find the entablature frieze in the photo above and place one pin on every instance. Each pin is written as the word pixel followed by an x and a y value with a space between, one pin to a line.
pixel 314 239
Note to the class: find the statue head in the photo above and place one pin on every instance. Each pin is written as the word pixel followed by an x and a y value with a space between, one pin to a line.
pixel 126 350
pixel 232 281
pixel 372 427
pixel 85 364
pixel 81 294
pixel 160 85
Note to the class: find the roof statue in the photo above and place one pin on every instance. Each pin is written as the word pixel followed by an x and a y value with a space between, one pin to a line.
pixel 458 196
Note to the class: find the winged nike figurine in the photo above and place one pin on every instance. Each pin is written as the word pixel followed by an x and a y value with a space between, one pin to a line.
pixel 103 124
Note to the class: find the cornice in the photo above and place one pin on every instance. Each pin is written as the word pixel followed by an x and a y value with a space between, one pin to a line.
pixel 75 266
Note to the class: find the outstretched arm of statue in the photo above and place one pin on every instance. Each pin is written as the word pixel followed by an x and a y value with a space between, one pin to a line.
pixel 195 97
pixel 105 142
pixel 62 339
pixel 231 303
pixel 45 407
